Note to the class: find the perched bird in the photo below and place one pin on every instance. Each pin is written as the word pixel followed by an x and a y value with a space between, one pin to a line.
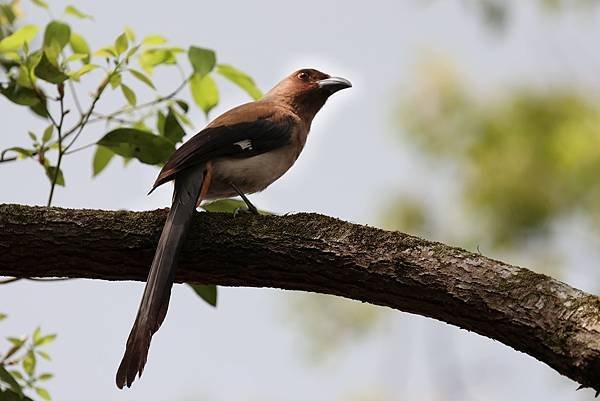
pixel 241 152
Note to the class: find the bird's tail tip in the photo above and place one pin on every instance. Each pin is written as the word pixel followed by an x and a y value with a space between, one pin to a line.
pixel 134 359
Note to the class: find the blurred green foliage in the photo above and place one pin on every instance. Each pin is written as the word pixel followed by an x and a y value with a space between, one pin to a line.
pixel 524 159
pixel 19 367
pixel 497 14
pixel 330 322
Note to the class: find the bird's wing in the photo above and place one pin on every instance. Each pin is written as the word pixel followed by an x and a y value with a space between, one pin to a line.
pixel 245 131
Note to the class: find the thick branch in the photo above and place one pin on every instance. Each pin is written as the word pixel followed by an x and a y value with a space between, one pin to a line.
pixel 530 312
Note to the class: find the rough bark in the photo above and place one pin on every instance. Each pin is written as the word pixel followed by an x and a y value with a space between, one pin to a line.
pixel 532 313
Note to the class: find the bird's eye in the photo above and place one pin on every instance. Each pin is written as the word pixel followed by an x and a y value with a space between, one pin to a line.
pixel 303 76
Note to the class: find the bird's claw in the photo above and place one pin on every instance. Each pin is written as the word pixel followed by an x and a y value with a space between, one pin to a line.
pixel 241 210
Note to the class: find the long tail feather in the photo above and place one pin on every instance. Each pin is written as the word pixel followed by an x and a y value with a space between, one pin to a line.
pixel 155 301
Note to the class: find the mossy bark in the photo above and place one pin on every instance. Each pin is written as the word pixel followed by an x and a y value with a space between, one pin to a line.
pixel 532 313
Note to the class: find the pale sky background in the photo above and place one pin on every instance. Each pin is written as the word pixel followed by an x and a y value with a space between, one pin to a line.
pixel 245 350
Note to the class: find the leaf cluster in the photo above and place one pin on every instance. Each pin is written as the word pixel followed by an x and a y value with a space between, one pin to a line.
pixel 524 159
pixel 41 64
pixel 19 366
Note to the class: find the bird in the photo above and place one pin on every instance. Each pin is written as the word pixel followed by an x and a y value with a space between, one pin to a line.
pixel 242 151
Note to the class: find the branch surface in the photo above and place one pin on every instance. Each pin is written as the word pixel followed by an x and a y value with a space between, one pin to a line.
pixel 532 313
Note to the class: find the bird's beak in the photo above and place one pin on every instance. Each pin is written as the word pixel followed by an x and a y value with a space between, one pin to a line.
pixel 334 84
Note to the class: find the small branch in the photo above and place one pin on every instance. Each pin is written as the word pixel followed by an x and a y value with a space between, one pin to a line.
pixel 75 98
pixel 89 145
pixel 61 151
pixel 108 119
pixel 7 159
pixel 150 103
pixel 84 119
pixel 532 313
pixel 42 99
pixel 78 128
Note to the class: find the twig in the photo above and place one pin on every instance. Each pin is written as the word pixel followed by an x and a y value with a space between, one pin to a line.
pixel 80 148
pixel 156 101
pixel 108 119
pixel 7 159
pixel 75 98
pixel 61 151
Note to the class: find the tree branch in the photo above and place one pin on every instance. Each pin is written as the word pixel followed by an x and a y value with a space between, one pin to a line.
pixel 549 320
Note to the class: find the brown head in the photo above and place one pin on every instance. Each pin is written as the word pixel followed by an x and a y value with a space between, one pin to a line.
pixel 306 91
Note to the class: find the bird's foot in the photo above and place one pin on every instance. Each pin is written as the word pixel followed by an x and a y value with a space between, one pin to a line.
pixel 250 210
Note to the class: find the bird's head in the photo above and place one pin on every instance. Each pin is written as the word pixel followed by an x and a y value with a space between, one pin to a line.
pixel 307 90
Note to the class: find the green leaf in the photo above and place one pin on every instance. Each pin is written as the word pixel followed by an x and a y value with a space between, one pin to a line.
pixel 183 105
pixel 106 52
pixel 82 71
pixel 20 95
pixel 45 376
pixel 121 43
pixel 44 355
pixel 206 292
pixel 228 206
pixel 151 58
pixel 202 60
pixel 20 37
pixel 241 79
pixel 129 95
pixel 172 129
pixel 160 122
pixel 142 77
pixel 80 46
pixel 17 375
pixel 47 339
pixel 32 136
pixel 52 52
pixel 10 381
pixel 77 57
pixel 3 316
pixel 48 133
pixel 7 10
pixel 102 157
pixel 144 146
pixel 51 172
pixel 48 72
pixel 115 80
pixel 40 3
pixel 40 109
pixel 42 392
pixel 130 34
pixel 204 92
pixel 132 51
pixel 182 117
pixel 71 10
pixel 16 341
pixel 154 40
pixel 223 206
pixel 59 31
pixel 29 363
pixel 11 352
pixel 37 334
pixel 24 78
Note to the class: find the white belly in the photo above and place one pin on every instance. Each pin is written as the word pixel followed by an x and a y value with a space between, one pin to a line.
pixel 249 174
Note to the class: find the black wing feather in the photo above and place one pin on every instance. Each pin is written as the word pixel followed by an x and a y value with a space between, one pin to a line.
pixel 264 134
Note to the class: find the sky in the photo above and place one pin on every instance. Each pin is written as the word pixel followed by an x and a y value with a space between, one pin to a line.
pixel 245 349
